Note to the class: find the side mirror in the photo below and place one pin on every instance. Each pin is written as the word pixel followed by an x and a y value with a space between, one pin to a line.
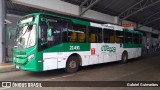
pixel 9 36
pixel 49 32
pixel 30 27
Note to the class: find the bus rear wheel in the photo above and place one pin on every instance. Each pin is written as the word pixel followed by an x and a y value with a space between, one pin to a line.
pixel 124 57
pixel 72 64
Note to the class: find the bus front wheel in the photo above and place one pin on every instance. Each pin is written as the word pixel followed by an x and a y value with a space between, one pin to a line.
pixel 72 64
pixel 124 57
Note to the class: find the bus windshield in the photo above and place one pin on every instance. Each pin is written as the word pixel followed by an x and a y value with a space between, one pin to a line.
pixel 26 36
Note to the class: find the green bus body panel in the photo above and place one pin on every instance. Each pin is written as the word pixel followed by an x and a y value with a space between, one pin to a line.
pixel 34 65
pixel 39 57
pixel 80 22
pixel 23 53
pixel 132 31
pixel 65 47
pixel 30 66
pixel 21 58
pixel 132 45
pixel 76 21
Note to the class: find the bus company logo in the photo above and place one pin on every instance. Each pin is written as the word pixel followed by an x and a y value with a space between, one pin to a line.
pixel 6 84
pixel 108 48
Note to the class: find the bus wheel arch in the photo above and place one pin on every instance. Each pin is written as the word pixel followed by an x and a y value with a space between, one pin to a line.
pixel 73 63
pixel 124 57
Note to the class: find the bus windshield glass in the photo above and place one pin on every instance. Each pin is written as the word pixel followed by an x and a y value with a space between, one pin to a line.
pixel 26 20
pixel 26 36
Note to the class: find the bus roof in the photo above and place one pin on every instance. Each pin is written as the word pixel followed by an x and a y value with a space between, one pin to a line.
pixel 86 23
pixel 76 21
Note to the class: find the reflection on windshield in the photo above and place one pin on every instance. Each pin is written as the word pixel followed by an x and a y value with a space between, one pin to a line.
pixel 26 36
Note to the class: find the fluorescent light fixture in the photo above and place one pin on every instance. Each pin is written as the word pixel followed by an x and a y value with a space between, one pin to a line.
pixel 7 21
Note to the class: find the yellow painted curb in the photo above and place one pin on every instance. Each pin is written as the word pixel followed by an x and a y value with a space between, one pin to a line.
pixel 6 66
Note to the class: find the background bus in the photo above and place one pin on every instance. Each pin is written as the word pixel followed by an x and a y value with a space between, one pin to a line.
pixel 47 42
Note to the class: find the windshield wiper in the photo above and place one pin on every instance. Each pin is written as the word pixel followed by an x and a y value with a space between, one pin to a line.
pixel 25 31
pixel 28 37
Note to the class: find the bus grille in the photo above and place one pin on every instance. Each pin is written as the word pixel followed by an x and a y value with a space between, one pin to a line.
pixel 18 64
pixel 21 53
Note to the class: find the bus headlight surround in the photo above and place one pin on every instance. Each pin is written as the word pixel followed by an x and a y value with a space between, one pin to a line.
pixel 30 57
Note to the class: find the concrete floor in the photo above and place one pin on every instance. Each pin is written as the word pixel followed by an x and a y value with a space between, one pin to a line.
pixel 146 68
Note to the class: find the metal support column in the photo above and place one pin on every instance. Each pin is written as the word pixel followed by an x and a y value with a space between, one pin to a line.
pixel 2 31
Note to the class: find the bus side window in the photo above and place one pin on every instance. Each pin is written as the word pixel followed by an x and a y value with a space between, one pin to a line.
pixel 119 36
pixel 108 35
pixel 112 39
pixel 73 37
pixel 42 39
pixel 81 37
pixel 135 38
pixel 76 33
pixel 140 39
pixel 128 38
pixel 95 35
pixel 92 38
pixel 43 32
pixel 112 36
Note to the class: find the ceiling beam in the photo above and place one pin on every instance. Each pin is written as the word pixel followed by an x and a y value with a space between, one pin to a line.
pixel 106 10
pixel 91 5
pixel 149 22
pixel 83 3
pixel 81 6
pixel 13 11
pixel 150 17
pixel 156 26
pixel 130 7
pixel 141 5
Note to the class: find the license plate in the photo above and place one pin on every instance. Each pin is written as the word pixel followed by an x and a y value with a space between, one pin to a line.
pixel 17 67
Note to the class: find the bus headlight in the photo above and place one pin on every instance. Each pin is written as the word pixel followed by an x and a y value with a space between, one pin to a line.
pixel 14 58
pixel 30 57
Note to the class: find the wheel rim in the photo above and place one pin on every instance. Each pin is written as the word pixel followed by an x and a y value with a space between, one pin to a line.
pixel 125 58
pixel 72 64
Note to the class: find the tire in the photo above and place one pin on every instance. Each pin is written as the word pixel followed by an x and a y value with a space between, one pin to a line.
pixel 124 57
pixel 72 64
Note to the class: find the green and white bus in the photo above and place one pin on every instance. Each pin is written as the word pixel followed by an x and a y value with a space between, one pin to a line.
pixel 47 42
